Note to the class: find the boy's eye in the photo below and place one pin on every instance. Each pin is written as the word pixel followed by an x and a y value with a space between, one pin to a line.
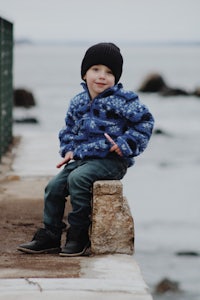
pixel 95 68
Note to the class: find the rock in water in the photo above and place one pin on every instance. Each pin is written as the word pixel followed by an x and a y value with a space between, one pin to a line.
pixel 153 83
pixel 167 285
pixel 23 98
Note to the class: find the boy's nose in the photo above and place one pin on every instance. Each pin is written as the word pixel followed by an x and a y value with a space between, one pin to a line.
pixel 102 75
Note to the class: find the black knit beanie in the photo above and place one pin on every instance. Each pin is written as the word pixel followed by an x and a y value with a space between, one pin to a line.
pixel 107 54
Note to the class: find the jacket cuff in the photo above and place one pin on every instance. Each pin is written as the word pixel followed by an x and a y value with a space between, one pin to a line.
pixel 125 148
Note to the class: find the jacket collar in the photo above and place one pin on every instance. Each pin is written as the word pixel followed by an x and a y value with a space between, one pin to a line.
pixel 110 91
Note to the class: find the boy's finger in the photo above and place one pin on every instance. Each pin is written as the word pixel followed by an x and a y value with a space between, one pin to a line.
pixel 60 164
pixel 116 149
pixel 109 139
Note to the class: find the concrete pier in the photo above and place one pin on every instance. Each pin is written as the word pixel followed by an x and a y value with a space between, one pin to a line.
pixel 110 277
pixel 105 276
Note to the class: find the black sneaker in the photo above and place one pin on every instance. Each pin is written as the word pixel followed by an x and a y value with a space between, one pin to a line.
pixel 77 243
pixel 43 242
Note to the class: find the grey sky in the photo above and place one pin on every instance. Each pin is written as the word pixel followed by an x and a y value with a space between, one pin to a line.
pixel 132 20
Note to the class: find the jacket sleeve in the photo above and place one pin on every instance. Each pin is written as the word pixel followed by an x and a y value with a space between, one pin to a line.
pixel 139 128
pixel 66 134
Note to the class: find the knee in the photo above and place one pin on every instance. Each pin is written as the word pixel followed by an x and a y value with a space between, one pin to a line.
pixel 74 179
pixel 55 188
pixel 78 180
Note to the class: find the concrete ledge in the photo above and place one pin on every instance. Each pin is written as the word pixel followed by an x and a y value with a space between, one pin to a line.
pixel 102 277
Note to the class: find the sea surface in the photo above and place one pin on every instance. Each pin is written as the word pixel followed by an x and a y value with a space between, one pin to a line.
pixel 163 186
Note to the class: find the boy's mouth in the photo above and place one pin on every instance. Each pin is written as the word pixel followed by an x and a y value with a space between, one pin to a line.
pixel 100 84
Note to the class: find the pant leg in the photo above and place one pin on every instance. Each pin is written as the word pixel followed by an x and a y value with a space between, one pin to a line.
pixel 55 198
pixel 80 182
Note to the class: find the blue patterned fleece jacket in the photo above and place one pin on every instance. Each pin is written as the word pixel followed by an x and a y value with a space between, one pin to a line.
pixel 116 112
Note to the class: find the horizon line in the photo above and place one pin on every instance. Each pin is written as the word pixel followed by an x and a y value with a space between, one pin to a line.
pixel 29 41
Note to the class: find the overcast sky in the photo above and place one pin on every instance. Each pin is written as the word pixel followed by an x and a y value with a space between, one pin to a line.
pixel 116 20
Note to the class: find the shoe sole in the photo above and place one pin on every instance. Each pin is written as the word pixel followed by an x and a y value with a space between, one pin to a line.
pixel 82 253
pixel 29 251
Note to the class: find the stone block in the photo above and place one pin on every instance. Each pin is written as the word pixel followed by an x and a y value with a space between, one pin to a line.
pixel 112 228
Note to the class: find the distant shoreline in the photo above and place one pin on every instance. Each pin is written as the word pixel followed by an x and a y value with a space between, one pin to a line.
pixel 26 41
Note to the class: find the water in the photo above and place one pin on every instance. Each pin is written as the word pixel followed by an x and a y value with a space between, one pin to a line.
pixel 163 187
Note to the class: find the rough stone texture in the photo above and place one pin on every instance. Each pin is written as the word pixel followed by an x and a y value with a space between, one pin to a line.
pixel 112 223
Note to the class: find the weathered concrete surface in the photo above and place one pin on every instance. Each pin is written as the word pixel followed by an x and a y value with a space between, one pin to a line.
pixel 112 223
pixel 102 277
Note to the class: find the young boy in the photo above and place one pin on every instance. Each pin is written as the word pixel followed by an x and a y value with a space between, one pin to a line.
pixel 106 127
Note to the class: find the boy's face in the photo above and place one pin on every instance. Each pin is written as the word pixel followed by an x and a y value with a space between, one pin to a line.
pixel 98 79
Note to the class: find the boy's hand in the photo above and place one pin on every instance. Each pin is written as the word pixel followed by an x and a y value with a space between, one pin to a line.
pixel 115 147
pixel 66 159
